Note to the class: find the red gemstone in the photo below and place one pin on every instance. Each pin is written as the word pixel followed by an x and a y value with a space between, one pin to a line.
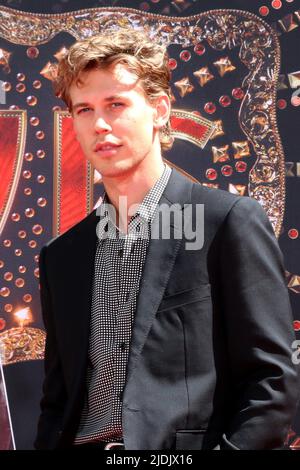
pixel 185 56
pixel 277 4
pixel 241 166
pixel 144 6
pixel 296 325
pixel 226 170
pixel 172 64
pixel 293 233
pixel 2 323
pixel 199 49
pixel 264 11
pixel 281 104
pixel 225 101
pixel 32 52
pixel 210 108
pixel 238 93
pixel 211 174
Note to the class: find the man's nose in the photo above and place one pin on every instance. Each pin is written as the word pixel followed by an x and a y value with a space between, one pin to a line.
pixel 101 125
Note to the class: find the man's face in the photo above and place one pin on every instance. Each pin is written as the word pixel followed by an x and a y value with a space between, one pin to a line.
pixel 110 109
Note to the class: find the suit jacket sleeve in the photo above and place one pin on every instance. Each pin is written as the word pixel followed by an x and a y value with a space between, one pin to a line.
pixel 54 394
pixel 259 330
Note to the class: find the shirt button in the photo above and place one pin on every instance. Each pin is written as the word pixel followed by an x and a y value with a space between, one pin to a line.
pixel 123 346
pixel 121 395
pixel 121 253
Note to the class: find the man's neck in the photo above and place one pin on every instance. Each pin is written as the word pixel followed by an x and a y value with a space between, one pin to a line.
pixel 134 186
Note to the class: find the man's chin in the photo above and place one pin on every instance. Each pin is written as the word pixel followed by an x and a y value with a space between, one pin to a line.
pixel 117 170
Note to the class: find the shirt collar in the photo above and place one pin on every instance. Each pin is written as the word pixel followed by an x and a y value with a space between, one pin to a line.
pixel 144 213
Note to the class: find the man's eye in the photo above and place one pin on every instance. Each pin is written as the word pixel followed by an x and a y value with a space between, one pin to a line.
pixel 117 105
pixel 83 110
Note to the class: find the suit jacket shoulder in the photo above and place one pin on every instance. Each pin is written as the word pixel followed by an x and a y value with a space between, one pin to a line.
pixel 74 232
pixel 218 204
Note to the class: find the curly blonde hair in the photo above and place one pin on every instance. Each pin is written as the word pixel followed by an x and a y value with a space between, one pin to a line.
pixel 144 57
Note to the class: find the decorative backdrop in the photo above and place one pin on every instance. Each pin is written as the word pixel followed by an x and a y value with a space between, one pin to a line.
pixel 235 120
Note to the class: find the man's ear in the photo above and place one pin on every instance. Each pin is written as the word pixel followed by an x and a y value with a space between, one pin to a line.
pixel 162 111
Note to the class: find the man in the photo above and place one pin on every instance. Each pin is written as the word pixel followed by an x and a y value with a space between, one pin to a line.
pixel 154 342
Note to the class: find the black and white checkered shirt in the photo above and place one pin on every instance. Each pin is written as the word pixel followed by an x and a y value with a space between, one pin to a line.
pixel 119 261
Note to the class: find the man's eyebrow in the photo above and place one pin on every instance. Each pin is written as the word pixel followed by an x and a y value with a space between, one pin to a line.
pixel 108 99
pixel 79 105
pixel 114 97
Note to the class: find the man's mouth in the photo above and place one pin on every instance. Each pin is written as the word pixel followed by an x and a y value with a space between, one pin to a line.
pixel 104 147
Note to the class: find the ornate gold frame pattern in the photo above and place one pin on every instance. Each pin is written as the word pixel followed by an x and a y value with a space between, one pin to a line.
pixel 21 139
pixel 58 116
pixel 227 28
pixel 211 127
pixel 21 344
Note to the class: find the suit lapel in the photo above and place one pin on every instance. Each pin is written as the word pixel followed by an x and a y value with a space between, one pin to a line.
pixel 159 263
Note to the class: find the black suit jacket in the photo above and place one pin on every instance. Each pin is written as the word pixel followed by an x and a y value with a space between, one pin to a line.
pixel 210 356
